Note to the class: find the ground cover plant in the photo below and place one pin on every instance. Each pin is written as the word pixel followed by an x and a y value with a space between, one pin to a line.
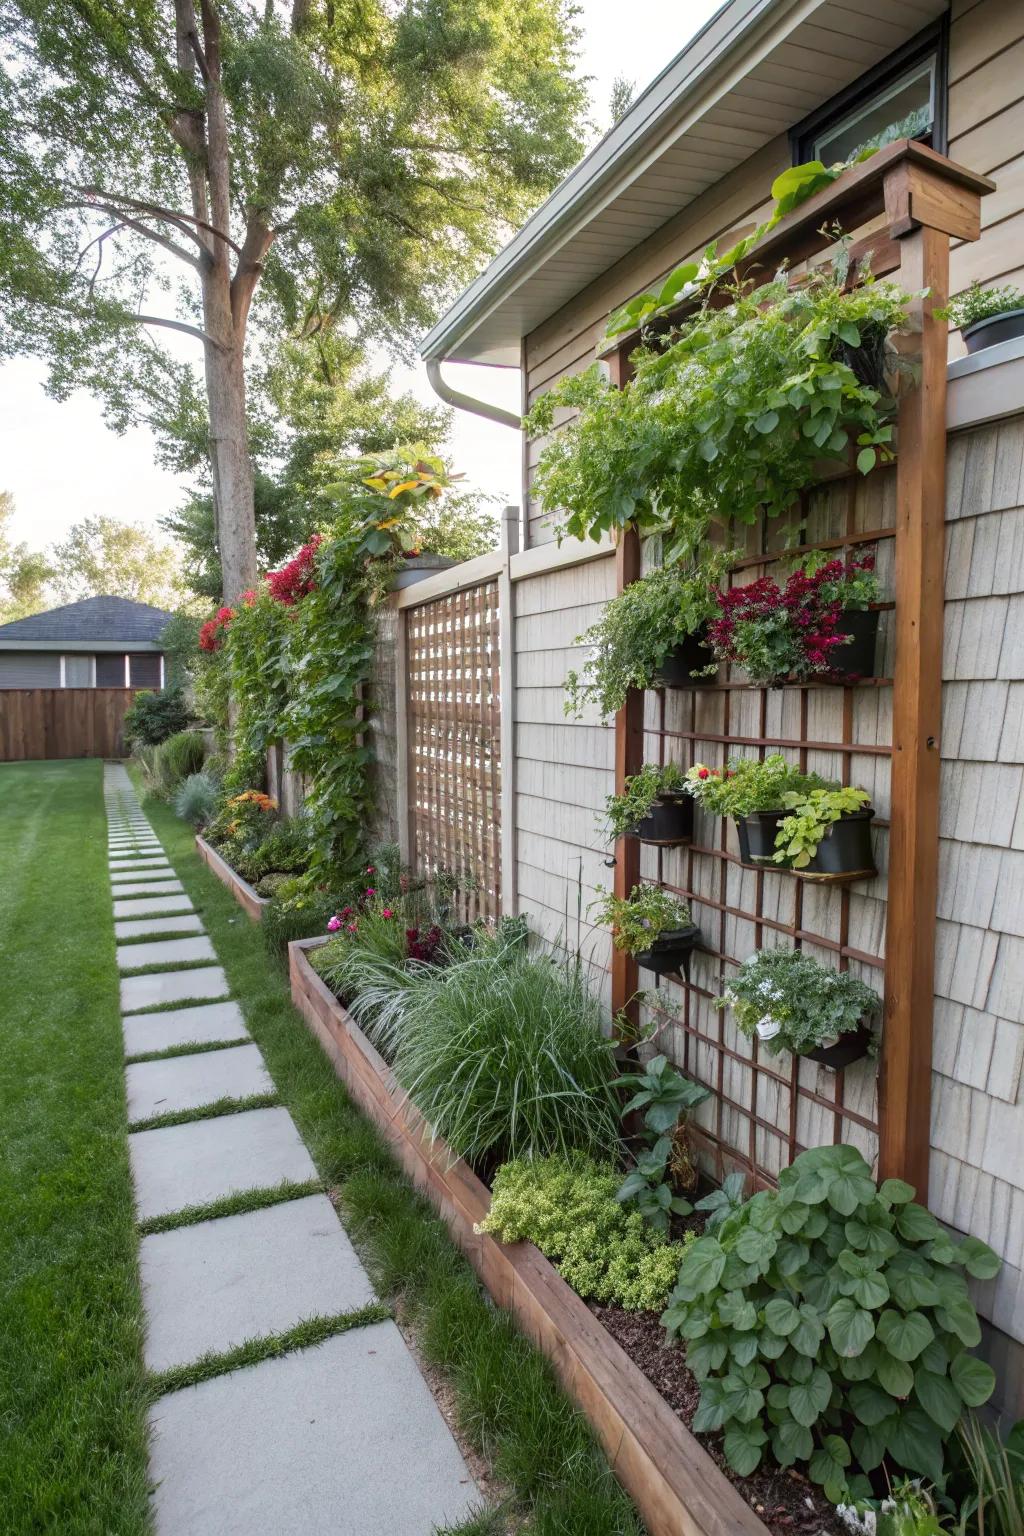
pixel 830 1321
pixel 570 1208
pixel 72 1391
pixel 507 1401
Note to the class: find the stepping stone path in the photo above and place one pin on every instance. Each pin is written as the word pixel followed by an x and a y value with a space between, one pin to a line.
pixel 292 1445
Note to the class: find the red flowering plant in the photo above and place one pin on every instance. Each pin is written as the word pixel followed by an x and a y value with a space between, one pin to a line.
pixel 792 632
pixel 211 634
pixel 298 577
pixel 749 784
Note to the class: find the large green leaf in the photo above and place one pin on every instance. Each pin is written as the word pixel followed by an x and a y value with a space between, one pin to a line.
pixel 850 1328
pixel 974 1379
pixel 916 1224
pixel 706 1355
pixel 791 1442
pixel 896 1191
pixel 736 1311
pixel 809 1399
pixel 959 1317
pixel 870 1404
pixel 869 1444
pixel 828 1466
pixel 939 1398
pixel 849 1188
pixel 916 1445
pixel 904 1334
pixel 702 1265
pixel 896 1376
pixel 978 1258
pixel 809 1331
pixel 743 1444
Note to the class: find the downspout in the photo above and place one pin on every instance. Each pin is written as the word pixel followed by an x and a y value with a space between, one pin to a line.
pixel 463 402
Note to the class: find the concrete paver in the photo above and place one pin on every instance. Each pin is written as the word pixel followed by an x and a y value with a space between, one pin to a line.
pixel 188 1082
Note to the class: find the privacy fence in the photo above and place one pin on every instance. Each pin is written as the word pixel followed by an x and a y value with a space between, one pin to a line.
pixel 38 723
pixel 491 777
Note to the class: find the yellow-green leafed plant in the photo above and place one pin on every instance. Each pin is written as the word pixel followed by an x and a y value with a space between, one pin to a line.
pixel 568 1208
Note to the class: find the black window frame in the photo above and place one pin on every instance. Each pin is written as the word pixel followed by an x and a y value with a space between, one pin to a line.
pixel 933 39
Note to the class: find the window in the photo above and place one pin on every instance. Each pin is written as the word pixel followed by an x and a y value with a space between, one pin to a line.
pixel 144 670
pixel 110 669
pixel 903 98
pixel 79 672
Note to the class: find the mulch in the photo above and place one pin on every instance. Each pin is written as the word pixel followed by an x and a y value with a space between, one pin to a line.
pixel 783 1499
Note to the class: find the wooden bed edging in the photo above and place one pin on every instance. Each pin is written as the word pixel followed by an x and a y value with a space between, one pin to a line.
pixel 240 889
pixel 673 1481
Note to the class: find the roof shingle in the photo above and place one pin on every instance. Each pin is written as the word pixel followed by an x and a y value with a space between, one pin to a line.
pixel 93 618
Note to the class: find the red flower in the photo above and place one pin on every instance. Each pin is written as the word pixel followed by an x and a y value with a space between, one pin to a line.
pixel 704 773
pixel 225 615
pixel 296 578
pixel 209 636
pixel 387 912
pixel 249 597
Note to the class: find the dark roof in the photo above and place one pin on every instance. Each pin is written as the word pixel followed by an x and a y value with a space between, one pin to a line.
pixel 94 618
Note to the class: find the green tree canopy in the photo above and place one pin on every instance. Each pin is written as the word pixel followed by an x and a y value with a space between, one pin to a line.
pixel 341 164
pixel 106 555
pixel 24 572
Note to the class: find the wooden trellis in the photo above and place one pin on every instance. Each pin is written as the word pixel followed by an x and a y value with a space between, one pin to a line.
pixel 761 1114
pixel 454 744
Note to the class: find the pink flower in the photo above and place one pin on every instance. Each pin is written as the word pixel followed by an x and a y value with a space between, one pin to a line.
pixel 334 924
pixel 371 869
pixel 352 928
pixel 387 912
pixel 371 890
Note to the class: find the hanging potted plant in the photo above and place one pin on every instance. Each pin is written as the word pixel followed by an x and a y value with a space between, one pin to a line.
pixel 655 806
pixel 652 926
pixel 789 1002
pixel 751 791
pixel 654 633
pixel 819 626
pixel 986 316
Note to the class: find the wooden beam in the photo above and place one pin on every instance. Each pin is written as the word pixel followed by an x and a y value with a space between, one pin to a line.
pixel 906 1068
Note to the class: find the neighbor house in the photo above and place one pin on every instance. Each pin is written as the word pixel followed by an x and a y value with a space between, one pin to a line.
pixel 100 642
pixel 765 85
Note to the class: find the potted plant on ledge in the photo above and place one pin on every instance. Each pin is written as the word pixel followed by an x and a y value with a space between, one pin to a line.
pixel 655 806
pixel 789 1002
pixel 818 627
pixel 787 818
pixel 986 316
pixel 652 926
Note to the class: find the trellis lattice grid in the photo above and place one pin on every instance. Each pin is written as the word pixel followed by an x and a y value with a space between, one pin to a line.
pixel 454 735
pixel 764 1110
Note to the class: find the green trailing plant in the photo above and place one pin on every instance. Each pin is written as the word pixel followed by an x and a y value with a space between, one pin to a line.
pixel 641 793
pixel 812 814
pixel 639 629
pixel 665 1098
pixel 689 280
pixel 505 1057
pixel 748 784
pixel 731 418
pixel 568 1207
pixel 197 798
pixel 790 1002
pixel 829 1324
pixel 152 717
pixel 978 303
pixel 638 920
pixel 174 760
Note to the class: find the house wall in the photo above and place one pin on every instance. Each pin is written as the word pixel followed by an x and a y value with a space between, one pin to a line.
pixel 986 133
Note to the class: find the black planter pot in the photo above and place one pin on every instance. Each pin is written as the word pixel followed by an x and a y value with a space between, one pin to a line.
pixel 692 656
pixel 997 328
pixel 844 853
pixel 670 822
pixel 857 657
pixel 851 1046
pixel 670 953
pixel 740 823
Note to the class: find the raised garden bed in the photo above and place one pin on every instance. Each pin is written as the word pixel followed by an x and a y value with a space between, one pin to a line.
pixel 674 1482
pixel 240 889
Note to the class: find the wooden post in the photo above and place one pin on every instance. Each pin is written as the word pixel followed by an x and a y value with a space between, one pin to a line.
pixel 507 692
pixel 629 757
pixel 403 765
pixel 923 212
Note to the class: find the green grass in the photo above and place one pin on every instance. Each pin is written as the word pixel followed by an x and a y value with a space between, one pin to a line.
pixel 72 1387
pixel 312 1330
pixel 232 1205
pixel 223 1106
pixel 187 1048
pixel 508 1401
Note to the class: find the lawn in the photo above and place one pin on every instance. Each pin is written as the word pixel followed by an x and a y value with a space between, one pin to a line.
pixel 72 1389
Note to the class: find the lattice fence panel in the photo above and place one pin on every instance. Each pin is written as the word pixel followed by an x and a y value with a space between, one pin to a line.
pixel 764 1110
pixel 454 735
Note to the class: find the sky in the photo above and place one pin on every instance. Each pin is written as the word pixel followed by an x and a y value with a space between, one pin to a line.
pixel 62 463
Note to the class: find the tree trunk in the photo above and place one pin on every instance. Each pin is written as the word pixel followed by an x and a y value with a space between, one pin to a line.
pixel 229 444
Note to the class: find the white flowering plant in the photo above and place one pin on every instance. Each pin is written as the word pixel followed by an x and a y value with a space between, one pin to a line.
pixel 789 1002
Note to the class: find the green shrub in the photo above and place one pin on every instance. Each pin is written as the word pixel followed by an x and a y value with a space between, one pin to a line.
pixel 155 716
pixel 831 1321
pixel 640 795
pixel 297 910
pixel 568 1208
pixel 666 1098
pixel 174 760
pixel 285 849
pixel 197 797
pixel 505 1057
pixel 748 784
pixel 638 920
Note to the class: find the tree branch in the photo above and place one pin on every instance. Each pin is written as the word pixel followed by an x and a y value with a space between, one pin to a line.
pixel 141 229
pixel 182 221
pixel 176 325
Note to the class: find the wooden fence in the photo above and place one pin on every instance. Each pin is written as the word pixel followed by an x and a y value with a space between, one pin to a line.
pixel 62 722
